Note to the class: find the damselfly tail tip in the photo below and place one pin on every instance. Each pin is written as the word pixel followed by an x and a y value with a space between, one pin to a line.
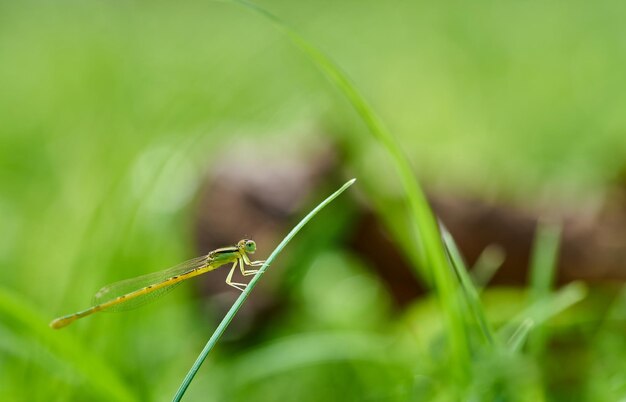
pixel 60 322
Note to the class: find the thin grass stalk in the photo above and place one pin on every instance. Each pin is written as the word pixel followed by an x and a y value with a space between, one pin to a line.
pixel 244 295
pixel 544 259
pixel 542 310
pixel 469 290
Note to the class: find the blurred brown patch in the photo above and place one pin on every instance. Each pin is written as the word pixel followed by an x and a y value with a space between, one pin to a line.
pixel 263 197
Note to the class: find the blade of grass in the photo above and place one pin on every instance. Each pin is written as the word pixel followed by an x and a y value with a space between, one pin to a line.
pixel 488 263
pixel 543 309
pixel 95 371
pixel 542 270
pixel 244 295
pixel 434 262
pixel 516 341
pixel 471 294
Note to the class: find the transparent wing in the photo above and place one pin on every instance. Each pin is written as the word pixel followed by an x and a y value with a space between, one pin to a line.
pixel 127 286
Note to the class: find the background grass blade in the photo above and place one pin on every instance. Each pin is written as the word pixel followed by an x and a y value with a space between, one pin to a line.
pixel 516 341
pixel 434 263
pixel 488 263
pixel 543 309
pixel 542 271
pixel 467 286
pixel 244 295
pixel 94 371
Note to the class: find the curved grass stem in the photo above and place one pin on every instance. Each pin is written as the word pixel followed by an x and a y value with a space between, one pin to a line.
pixel 244 295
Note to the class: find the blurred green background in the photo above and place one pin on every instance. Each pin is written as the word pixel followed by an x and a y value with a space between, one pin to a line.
pixel 113 113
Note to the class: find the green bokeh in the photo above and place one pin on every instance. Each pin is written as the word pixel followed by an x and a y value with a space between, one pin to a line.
pixel 112 112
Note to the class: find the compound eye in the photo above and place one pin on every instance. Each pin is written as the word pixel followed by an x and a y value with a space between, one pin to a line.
pixel 250 246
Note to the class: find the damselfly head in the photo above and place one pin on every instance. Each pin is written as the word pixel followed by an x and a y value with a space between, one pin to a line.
pixel 249 246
